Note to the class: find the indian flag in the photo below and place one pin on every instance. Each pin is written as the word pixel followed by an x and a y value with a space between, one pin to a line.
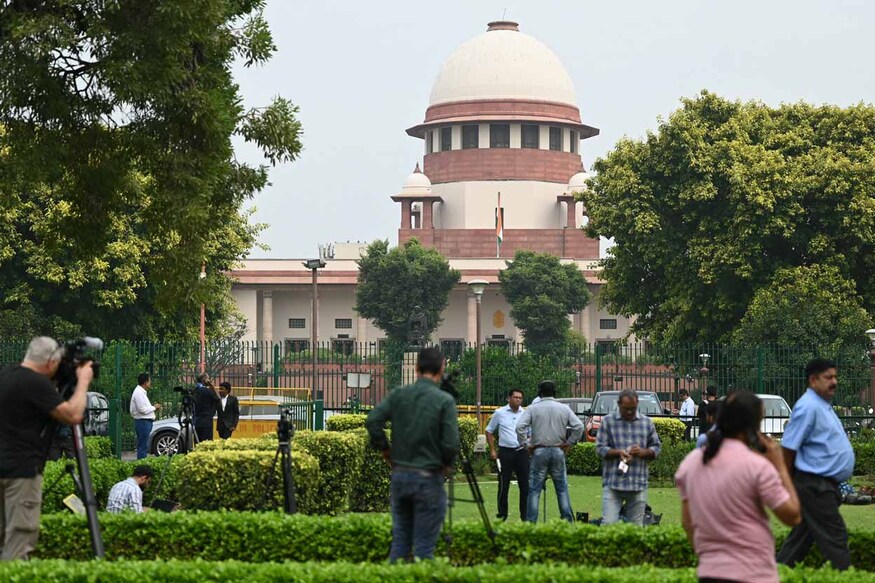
pixel 499 226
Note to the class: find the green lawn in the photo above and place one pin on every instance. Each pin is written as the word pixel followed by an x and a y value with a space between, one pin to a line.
pixel 586 492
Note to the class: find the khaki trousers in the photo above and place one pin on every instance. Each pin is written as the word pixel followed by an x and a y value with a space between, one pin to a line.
pixel 20 500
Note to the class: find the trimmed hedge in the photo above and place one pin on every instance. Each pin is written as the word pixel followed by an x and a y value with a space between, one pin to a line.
pixel 263 537
pixel 669 430
pixel 370 492
pixel 235 480
pixel 340 458
pixel 345 422
pixel 97 446
pixel 865 454
pixel 469 430
pixel 435 571
pixel 582 460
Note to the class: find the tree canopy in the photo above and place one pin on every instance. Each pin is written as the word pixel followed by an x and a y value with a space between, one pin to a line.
pixel 541 292
pixel 117 175
pixel 392 282
pixel 706 211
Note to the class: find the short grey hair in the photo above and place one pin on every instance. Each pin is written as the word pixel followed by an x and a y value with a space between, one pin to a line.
pixel 627 393
pixel 42 349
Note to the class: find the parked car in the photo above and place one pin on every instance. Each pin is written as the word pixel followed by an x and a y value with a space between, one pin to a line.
pixel 580 406
pixel 605 403
pixel 776 414
pixel 258 415
pixel 96 420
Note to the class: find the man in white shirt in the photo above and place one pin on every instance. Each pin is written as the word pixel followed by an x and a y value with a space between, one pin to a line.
pixel 143 413
pixel 128 494
pixel 512 456
pixel 687 412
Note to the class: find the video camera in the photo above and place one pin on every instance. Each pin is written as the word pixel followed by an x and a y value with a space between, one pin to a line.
pixel 73 357
pixel 285 429
pixel 185 391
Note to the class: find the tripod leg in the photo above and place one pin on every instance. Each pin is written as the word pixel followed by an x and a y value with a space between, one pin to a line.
pixel 87 491
pixel 291 505
pixel 268 484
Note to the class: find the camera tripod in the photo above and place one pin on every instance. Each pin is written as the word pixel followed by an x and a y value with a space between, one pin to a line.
pixel 476 498
pixel 284 431
pixel 186 439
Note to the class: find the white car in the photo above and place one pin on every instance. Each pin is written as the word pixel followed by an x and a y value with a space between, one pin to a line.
pixel 776 414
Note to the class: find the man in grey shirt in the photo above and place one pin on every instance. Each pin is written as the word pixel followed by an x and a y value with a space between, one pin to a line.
pixel 549 421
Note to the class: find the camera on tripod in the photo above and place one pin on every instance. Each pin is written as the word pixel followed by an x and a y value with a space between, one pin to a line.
pixel 74 356
pixel 185 391
pixel 285 429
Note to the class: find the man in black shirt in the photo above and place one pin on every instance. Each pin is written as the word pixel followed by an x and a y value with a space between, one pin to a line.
pixel 229 412
pixel 206 402
pixel 710 399
pixel 29 407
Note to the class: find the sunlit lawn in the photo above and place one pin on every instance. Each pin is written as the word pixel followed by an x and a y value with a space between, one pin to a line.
pixel 586 491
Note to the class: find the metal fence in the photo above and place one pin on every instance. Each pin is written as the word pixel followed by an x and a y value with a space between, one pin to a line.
pixel 350 376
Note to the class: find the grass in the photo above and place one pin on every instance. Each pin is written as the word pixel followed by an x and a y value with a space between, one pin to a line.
pixel 586 496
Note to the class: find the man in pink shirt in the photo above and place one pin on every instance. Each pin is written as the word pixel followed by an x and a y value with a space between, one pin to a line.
pixel 724 490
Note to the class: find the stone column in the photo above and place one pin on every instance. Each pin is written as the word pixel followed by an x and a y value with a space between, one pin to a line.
pixel 571 220
pixel 267 315
pixel 472 319
pixel 405 214
pixel 361 330
pixel 427 219
pixel 586 322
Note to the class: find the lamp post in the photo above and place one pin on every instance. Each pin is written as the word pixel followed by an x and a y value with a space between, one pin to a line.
pixel 477 287
pixel 871 334
pixel 703 372
pixel 314 265
pixel 203 334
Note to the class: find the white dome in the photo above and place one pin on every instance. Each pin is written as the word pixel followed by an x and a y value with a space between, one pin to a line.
pixel 503 63
pixel 578 181
pixel 417 184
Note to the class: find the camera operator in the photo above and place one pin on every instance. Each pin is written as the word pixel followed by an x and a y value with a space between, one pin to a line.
pixel 29 405
pixel 206 402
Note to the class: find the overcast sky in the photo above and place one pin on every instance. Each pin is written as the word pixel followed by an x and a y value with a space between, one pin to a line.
pixel 361 72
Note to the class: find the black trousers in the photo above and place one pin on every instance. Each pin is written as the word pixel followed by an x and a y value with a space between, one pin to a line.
pixel 822 523
pixel 513 461
pixel 204 432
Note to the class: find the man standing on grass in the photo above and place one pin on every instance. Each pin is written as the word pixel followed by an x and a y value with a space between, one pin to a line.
pixel 819 456
pixel 627 442
pixel 511 453
pixel 425 430
pixel 143 413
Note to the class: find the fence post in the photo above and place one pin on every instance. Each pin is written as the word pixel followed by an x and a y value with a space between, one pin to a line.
pixel 598 367
pixel 319 421
pixel 115 421
pixel 276 365
pixel 761 365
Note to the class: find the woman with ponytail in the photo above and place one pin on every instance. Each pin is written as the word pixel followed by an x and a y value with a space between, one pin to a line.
pixel 724 490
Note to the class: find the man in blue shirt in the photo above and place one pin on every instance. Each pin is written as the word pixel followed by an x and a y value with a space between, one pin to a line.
pixel 512 456
pixel 819 454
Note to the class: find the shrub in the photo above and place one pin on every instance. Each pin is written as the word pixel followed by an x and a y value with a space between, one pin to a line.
pixel 340 458
pixel 666 464
pixel 865 458
pixel 370 492
pixel 98 447
pixel 582 460
pixel 236 480
pixel 345 422
pixel 263 537
pixel 669 430
pixel 267 442
pixel 469 430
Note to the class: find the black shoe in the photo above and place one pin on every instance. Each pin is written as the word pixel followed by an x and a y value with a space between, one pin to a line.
pixel 500 517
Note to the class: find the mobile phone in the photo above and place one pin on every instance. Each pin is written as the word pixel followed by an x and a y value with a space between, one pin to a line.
pixel 753 440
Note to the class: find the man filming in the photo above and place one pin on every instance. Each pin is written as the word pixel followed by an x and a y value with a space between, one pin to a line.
pixel 29 406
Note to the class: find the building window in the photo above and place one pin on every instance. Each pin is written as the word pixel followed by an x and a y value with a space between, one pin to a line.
pixel 531 137
pixel 343 323
pixel 344 346
pixel 607 347
pixel 446 139
pixel 499 341
pixel 296 345
pixel 608 324
pixel 429 142
pixel 556 139
pixel 297 323
pixel 499 135
pixel 453 348
pixel 470 137
pixel 574 142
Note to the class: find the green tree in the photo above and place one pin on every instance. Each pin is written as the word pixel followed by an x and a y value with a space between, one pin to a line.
pixel 117 175
pixel 723 195
pixel 541 292
pixel 392 282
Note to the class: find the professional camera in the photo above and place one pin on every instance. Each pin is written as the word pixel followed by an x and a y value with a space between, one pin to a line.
pixel 74 356
pixel 186 391
pixel 285 429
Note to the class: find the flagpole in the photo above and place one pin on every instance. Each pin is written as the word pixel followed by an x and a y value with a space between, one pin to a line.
pixel 498 222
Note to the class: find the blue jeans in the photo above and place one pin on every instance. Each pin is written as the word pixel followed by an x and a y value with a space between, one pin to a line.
pixel 143 428
pixel 419 504
pixel 552 460
pixel 612 503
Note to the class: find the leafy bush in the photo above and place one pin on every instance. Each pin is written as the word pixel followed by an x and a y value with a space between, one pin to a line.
pixel 98 447
pixel 666 464
pixel 267 442
pixel 340 458
pixel 236 480
pixel 345 422
pixel 582 460
pixel 865 458
pixel 268 537
pixel 370 492
pixel 670 431
pixel 469 430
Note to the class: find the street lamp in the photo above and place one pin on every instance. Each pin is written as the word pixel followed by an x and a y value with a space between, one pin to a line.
pixel 703 372
pixel 477 287
pixel 871 334
pixel 314 265
pixel 203 275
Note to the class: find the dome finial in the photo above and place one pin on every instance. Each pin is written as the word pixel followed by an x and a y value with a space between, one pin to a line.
pixel 417 170
pixel 503 25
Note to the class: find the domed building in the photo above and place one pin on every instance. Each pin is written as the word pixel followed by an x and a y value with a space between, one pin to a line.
pixel 501 136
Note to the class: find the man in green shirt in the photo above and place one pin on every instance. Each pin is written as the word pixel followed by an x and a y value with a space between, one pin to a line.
pixel 425 430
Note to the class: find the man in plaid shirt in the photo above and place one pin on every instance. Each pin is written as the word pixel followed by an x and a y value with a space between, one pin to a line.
pixel 626 441
pixel 128 494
